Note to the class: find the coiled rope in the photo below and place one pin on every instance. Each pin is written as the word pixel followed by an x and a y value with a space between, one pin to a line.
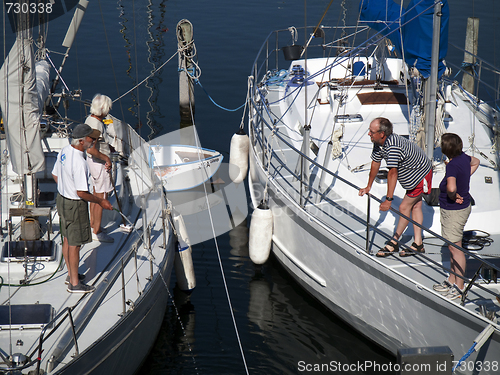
pixel 474 242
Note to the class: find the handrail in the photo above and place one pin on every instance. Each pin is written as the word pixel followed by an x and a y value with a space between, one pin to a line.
pixel 258 132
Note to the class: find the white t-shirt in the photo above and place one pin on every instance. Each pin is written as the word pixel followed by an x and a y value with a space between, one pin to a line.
pixel 101 144
pixel 72 172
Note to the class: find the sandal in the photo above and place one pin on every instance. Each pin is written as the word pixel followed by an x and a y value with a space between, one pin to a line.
pixel 413 250
pixel 386 251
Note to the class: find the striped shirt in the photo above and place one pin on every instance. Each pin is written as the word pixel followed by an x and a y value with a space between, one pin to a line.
pixel 409 159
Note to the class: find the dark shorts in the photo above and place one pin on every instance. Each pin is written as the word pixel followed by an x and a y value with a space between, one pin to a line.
pixel 424 187
pixel 75 220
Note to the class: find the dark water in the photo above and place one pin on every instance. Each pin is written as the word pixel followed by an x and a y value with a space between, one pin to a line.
pixel 281 328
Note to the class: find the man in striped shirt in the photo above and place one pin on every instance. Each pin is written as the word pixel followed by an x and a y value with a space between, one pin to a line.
pixel 408 164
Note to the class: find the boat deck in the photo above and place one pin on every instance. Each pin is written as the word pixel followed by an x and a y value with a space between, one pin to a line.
pixel 341 211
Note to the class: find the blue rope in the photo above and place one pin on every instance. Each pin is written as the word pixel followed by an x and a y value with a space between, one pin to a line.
pixel 468 65
pixel 217 105
pixel 278 78
pixel 471 350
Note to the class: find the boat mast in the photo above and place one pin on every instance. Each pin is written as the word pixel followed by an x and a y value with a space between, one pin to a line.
pixel 431 87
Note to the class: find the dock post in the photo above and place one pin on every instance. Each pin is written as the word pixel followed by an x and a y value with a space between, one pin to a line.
pixel 471 41
pixel 186 51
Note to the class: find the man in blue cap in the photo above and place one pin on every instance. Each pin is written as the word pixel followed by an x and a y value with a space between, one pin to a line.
pixel 71 175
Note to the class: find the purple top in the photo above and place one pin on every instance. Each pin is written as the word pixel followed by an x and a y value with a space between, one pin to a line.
pixel 458 167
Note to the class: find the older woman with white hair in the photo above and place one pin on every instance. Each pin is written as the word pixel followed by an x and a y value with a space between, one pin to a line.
pixel 99 162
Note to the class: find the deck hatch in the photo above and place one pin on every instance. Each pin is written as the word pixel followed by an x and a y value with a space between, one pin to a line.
pixel 40 250
pixel 382 98
pixel 34 316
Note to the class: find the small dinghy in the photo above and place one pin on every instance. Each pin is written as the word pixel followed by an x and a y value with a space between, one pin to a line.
pixel 183 167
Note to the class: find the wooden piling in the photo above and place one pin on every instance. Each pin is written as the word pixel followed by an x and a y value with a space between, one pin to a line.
pixel 186 89
pixel 471 41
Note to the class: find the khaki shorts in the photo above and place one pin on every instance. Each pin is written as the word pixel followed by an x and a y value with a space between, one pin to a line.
pixel 453 223
pixel 74 219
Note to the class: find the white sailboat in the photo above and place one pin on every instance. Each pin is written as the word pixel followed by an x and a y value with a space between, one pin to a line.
pixel 310 155
pixel 43 328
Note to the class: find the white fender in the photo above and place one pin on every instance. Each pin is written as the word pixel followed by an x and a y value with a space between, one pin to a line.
pixel 238 156
pixel 261 234
pixel 183 263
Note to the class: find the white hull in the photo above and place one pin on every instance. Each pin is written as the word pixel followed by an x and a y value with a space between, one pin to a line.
pixel 320 227
pixel 128 351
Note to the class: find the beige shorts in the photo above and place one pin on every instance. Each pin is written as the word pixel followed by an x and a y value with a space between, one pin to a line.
pixel 453 223
pixel 99 177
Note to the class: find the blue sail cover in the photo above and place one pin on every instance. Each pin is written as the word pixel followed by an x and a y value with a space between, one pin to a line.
pixel 416 32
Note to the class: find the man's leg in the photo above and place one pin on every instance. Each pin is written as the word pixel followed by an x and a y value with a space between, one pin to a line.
pixel 406 208
pixel 418 217
pixel 73 260
pixel 65 251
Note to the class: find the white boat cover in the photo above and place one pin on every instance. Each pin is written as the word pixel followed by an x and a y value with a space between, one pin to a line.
pixel 42 69
pixel 19 102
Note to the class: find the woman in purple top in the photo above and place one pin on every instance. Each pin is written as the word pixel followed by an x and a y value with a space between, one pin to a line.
pixel 454 200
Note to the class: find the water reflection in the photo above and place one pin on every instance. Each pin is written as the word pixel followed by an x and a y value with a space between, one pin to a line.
pixel 156 56
pixel 155 28
pixel 299 332
pixel 175 339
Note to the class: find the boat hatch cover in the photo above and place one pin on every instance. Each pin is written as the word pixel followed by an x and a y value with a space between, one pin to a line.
pixel 385 97
pixel 16 251
pixel 25 316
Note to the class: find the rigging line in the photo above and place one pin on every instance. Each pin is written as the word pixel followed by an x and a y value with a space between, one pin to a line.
pixel 145 79
pixel 218 250
pixel 247 101
pixel 334 36
pixel 138 101
pixel 110 55
pixel 217 105
pixel 408 108
pixel 47 55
